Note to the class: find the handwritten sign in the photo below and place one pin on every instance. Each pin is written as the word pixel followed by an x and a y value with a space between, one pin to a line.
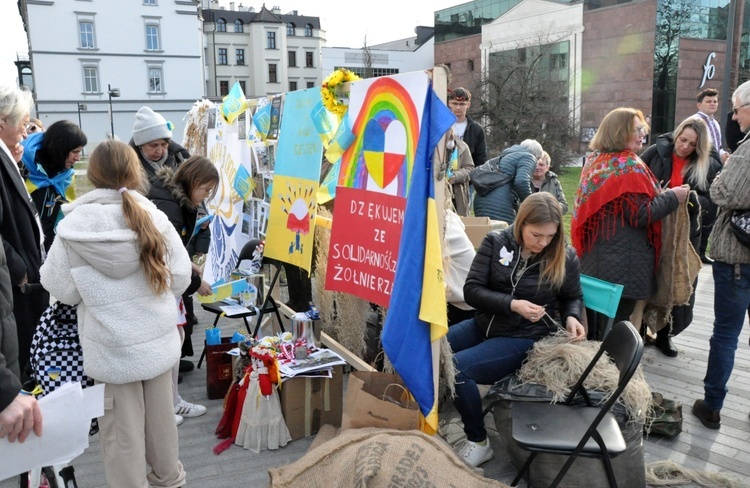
pixel 364 244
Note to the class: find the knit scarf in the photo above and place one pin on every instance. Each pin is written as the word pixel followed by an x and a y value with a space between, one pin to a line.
pixel 611 182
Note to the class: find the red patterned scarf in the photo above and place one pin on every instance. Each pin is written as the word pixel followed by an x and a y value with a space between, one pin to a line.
pixel 611 182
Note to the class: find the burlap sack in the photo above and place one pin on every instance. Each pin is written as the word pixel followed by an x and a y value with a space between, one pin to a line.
pixel 379 458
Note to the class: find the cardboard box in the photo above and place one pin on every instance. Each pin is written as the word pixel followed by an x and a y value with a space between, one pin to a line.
pixel 478 227
pixel 309 403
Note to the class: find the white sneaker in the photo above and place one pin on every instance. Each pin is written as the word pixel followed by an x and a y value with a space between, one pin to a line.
pixel 187 409
pixel 474 453
pixel 178 419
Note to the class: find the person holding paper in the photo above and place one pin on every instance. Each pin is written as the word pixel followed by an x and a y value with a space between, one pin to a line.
pixel 120 260
pixel 19 411
pixel 179 194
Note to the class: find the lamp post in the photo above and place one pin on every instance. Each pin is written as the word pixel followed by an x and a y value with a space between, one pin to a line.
pixel 81 108
pixel 112 92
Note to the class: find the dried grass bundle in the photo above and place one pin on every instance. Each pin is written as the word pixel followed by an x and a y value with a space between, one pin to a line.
pixel 668 473
pixel 557 363
pixel 196 128
pixel 343 315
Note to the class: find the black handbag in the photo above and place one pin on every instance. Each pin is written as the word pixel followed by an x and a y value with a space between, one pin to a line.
pixel 739 222
pixel 488 176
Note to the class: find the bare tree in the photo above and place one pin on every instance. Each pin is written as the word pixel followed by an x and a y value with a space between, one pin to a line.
pixel 526 96
pixel 367 59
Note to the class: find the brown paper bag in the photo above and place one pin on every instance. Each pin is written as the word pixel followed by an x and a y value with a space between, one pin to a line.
pixel 371 402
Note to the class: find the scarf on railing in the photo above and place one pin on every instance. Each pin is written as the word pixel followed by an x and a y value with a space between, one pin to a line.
pixel 610 183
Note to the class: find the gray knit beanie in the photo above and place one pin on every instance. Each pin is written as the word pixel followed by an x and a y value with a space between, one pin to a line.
pixel 150 126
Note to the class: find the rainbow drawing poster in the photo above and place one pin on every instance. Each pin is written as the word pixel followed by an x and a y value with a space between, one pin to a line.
pixel 386 114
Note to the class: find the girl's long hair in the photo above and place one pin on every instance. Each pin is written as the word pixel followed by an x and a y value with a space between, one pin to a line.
pixel 194 172
pixel 539 209
pixel 115 165
pixel 699 160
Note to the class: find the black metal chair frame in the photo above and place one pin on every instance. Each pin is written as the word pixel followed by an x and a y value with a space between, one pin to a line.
pixel 269 303
pixel 624 346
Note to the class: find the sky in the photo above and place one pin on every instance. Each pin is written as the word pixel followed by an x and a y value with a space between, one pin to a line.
pixel 346 23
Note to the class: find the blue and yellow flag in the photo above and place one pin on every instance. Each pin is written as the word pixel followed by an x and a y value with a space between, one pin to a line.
pixel 417 315
pixel 234 103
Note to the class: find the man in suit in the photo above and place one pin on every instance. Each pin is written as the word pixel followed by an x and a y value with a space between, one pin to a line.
pixel 19 222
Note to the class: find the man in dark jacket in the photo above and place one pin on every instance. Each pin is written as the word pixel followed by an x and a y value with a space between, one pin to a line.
pixel 469 131
pixel 19 412
pixel 19 222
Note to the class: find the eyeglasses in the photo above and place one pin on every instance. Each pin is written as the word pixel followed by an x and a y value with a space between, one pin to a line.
pixel 640 130
pixel 736 109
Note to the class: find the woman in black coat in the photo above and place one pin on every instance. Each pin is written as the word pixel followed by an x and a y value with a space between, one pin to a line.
pixel 19 222
pixel 519 280
pixel 49 158
pixel 179 194
pixel 686 156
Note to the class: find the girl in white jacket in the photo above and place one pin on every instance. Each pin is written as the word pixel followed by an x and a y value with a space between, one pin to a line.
pixel 121 261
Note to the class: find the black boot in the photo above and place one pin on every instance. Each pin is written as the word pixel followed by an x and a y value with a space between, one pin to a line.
pixel 664 343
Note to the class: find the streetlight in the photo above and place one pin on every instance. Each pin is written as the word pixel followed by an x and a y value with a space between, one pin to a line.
pixel 112 92
pixel 81 108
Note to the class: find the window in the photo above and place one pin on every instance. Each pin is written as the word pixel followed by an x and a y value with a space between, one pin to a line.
pixel 309 59
pixel 242 86
pixel 223 88
pixel 222 55
pixel 90 79
pixel 221 25
pixel 292 59
pixel 86 30
pixel 149 2
pixel 272 73
pixel 290 27
pixel 292 86
pixel 238 26
pixel 471 65
pixel 154 80
pixel 271 40
pixel 308 30
pixel 239 55
pixel 152 38
pixel 310 84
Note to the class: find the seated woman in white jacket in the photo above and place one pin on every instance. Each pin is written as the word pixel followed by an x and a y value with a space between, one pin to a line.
pixel 122 262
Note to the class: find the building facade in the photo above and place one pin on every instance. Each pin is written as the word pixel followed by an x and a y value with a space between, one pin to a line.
pixel 390 58
pixel 267 52
pixel 84 53
pixel 654 55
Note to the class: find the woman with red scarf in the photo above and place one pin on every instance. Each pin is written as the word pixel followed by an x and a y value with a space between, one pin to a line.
pixel 616 226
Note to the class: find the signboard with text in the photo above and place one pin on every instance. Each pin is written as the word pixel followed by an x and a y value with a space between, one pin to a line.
pixel 364 244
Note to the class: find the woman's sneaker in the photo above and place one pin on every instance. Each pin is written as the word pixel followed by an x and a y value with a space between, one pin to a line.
pixel 178 419
pixel 187 409
pixel 474 453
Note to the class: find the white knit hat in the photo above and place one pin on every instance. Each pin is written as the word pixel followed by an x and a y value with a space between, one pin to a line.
pixel 150 126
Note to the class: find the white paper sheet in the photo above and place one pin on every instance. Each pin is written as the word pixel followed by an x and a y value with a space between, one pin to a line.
pixel 66 418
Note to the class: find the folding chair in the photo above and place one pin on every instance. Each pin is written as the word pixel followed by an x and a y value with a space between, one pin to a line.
pixel 588 431
pixel 269 303
pixel 601 297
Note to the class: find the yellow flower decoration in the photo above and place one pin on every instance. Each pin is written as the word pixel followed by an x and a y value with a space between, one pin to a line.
pixel 328 90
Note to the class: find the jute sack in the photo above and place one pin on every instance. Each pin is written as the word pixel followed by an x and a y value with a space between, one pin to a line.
pixel 378 458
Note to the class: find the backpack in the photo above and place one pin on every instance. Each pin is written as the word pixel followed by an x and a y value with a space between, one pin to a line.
pixel 665 416
pixel 487 177
pixel 56 355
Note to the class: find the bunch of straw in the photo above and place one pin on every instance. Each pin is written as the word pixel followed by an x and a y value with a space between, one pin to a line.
pixel 557 362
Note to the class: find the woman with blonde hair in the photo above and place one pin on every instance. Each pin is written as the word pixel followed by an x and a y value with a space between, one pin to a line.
pixel 522 281
pixel 120 260
pixel 686 156
pixel 616 225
